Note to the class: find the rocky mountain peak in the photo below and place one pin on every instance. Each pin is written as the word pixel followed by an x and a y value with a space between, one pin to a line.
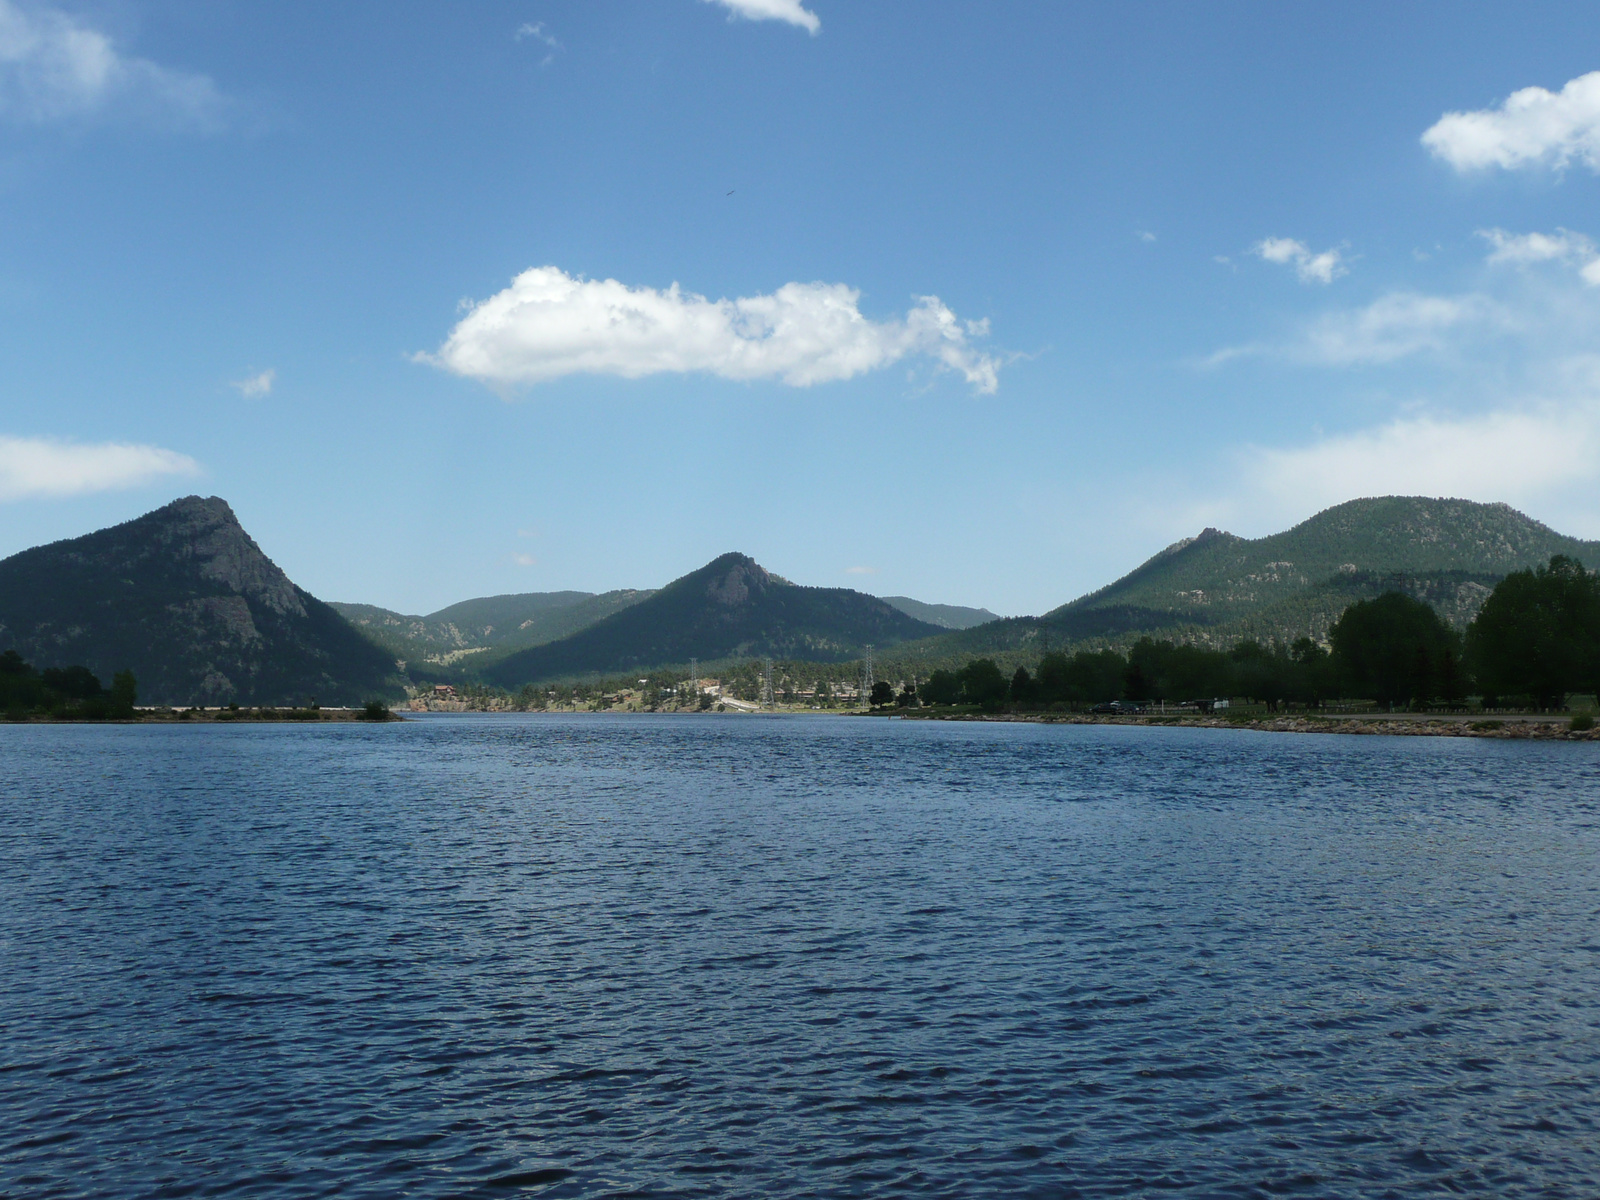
pixel 185 599
pixel 207 530
pixel 733 577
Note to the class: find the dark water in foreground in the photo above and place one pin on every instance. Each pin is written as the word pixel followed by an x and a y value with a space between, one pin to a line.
pixel 795 957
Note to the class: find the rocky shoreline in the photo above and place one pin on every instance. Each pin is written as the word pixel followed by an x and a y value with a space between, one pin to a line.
pixel 211 716
pixel 1521 728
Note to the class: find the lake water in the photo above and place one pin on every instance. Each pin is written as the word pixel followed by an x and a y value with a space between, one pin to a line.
pixel 719 956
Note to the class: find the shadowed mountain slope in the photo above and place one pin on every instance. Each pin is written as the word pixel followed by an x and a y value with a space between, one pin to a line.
pixel 185 598
pixel 731 607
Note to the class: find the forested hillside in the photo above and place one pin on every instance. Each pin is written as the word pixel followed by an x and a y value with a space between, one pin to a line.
pixel 481 630
pixel 1216 589
pixel 946 616
pixel 730 607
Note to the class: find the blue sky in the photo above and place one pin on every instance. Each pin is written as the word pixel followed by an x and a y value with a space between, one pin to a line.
pixel 982 304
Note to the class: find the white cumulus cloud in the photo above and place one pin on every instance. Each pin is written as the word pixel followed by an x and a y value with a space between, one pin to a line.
pixel 1310 267
pixel 791 11
pixel 1533 127
pixel 256 385
pixel 549 324
pixel 37 467
pixel 55 67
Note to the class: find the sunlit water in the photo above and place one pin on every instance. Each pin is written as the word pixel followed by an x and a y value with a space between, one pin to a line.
pixel 720 956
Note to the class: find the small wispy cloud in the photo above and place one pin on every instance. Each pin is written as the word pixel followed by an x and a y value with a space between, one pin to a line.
pixel 790 11
pixel 536 31
pixel 1533 127
pixel 525 560
pixel 46 467
pixel 55 67
pixel 549 324
pixel 256 385
pixel 1311 267
pixel 1144 235
pixel 861 570
pixel 1563 246
pixel 1392 327
pixel 1397 326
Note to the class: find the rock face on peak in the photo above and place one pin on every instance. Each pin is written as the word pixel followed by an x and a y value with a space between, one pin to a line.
pixel 185 598
pixel 734 579
pixel 731 607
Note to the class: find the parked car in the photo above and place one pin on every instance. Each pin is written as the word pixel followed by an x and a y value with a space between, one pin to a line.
pixel 1121 707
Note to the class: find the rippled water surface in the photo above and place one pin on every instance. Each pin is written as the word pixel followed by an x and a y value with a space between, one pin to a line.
pixel 609 956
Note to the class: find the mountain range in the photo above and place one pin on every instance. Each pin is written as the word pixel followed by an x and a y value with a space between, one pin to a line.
pixel 185 598
pixel 470 637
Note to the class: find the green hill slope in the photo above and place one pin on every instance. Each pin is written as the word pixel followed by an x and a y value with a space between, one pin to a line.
pixel 1216 588
pixel 489 626
pixel 1451 552
pixel 730 607
pixel 946 616
pixel 185 598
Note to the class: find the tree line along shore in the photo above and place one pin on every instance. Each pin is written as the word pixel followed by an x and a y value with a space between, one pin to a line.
pixel 75 694
pixel 1533 646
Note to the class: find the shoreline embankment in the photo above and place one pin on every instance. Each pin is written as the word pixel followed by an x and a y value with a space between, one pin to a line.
pixel 1519 727
pixel 210 716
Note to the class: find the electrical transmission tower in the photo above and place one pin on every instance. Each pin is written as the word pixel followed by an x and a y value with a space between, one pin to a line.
pixel 866 678
pixel 766 684
pixel 694 679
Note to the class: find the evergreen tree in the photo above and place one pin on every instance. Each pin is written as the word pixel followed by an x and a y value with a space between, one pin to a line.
pixel 982 683
pixel 943 687
pixel 1391 649
pixel 1538 634
pixel 1023 692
